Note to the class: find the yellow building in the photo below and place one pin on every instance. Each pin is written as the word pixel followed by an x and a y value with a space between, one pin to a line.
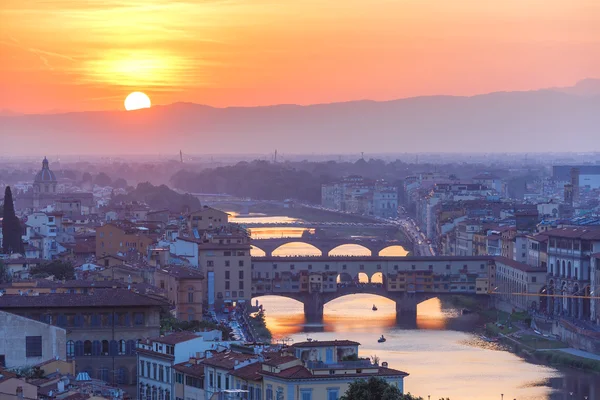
pixel 206 218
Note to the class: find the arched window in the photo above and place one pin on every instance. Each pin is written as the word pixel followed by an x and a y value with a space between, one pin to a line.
pixel 70 348
pixel 105 348
pixel 569 269
pixel 96 348
pixel 122 347
pixel 87 348
pixel 78 348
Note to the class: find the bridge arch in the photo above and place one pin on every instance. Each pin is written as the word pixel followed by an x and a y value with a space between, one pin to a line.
pixel 256 251
pixel 377 277
pixel 297 248
pixel 350 249
pixel 362 277
pixel 393 251
pixel 344 277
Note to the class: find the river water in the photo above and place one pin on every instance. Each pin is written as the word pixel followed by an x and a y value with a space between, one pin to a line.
pixel 442 354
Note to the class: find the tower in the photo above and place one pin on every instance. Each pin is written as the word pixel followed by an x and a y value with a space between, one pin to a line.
pixel 575 184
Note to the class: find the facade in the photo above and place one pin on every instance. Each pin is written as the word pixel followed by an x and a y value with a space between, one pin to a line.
pixel 519 284
pixel 25 342
pixel 205 219
pixel 185 288
pixel 121 237
pixel 569 270
pixel 595 306
pixel 358 195
pixel 189 379
pixel 103 326
pixel 13 387
pixel 225 256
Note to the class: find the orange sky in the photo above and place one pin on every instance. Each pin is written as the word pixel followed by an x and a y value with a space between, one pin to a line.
pixel 74 55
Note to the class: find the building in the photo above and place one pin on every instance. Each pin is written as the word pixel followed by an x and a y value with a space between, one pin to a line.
pixel 518 284
pixel 103 326
pixel 206 218
pixel 569 270
pixel 25 342
pixel 13 387
pixel 537 250
pixel 121 237
pixel 185 288
pixel 189 379
pixel 160 357
pixel 595 306
pixel 323 373
pixel 225 256
pixel 358 195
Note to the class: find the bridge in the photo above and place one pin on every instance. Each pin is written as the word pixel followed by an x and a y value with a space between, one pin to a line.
pixel 408 281
pixel 326 245
pixel 298 224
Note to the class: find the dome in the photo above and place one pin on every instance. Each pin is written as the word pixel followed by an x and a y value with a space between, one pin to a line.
pixel 45 175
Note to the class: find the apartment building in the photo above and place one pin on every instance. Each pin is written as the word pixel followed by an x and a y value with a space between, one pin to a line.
pixel 121 237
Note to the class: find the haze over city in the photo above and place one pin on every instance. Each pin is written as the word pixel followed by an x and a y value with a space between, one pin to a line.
pixel 299 199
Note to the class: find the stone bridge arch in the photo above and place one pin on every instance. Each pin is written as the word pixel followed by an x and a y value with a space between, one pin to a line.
pixel 318 251
pixel 397 249
pixel 339 249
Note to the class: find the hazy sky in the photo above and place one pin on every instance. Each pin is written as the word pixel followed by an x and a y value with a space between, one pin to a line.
pixel 73 55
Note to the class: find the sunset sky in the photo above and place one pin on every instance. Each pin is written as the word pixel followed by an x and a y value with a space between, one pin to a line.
pixel 75 55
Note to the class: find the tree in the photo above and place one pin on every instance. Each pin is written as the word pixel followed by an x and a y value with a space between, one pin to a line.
pixel 59 269
pixel 375 389
pixel 11 227
pixel 120 183
pixel 102 180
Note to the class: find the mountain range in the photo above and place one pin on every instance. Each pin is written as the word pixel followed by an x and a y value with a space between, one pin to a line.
pixel 555 119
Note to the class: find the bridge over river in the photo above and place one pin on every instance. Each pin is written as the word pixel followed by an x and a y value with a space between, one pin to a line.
pixel 315 281
pixel 326 245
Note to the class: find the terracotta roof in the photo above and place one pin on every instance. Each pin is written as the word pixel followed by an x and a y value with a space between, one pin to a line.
pixel 300 372
pixel 249 372
pixel 326 343
pixel 6 374
pixel 182 272
pixel 76 283
pixel 174 338
pixel 188 368
pixel 227 359
pixel 587 233
pixel 518 265
pixel 275 359
pixel 96 298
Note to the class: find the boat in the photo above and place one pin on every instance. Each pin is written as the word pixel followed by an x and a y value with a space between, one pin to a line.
pixel 381 339
pixel 374 308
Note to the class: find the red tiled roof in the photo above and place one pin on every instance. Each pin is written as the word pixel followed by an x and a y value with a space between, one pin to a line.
pixel 174 338
pixel 300 372
pixel 518 265
pixel 587 233
pixel 192 369
pixel 227 359
pixel 325 343
pixel 249 372
pixel 96 298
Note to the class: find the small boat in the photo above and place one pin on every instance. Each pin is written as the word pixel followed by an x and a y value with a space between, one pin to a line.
pixel 374 308
pixel 381 339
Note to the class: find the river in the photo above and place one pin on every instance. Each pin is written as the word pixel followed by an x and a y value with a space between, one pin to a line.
pixel 442 354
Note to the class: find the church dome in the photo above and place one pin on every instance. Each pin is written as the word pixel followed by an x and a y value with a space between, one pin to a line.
pixel 45 175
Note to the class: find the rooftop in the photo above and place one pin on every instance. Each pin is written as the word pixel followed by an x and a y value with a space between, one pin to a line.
pixel 175 338
pixel 95 298
pixel 518 265
pixel 227 360
pixel 587 233
pixel 326 343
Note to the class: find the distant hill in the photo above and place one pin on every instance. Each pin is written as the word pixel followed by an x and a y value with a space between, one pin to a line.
pixel 559 119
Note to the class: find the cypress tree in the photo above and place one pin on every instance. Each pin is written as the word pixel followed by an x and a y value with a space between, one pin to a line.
pixel 11 227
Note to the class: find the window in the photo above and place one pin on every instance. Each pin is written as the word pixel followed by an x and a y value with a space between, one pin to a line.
pixel 533 279
pixel 241 274
pixel 87 348
pixel 241 293
pixel 241 263
pixel 241 286
pixel 269 393
pixel 306 394
pixel 178 377
pixel 161 373
pixel 190 297
pixel 193 382
pixel 122 347
pixel 211 379
pixel 210 263
pixel 70 348
pixel 33 346
pixel 138 318
pixel 227 253
pixel 333 394
pixel 226 274
pixel 141 368
pixel 219 381
pixel 105 348
pixel 227 263
pixel 227 285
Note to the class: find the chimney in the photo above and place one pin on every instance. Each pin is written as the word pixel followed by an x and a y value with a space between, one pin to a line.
pixel 384 364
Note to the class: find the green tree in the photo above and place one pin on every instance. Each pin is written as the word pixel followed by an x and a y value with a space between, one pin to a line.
pixel 102 180
pixel 375 389
pixel 4 275
pixel 59 269
pixel 11 227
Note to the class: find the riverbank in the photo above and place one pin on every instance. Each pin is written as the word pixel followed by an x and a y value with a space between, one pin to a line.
pixel 259 325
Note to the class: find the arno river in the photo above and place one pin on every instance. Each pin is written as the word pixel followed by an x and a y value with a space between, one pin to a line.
pixel 442 353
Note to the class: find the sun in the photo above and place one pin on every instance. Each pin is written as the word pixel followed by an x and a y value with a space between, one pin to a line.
pixel 137 100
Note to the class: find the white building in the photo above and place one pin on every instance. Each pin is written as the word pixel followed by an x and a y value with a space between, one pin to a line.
pixel 158 356
pixel 25 342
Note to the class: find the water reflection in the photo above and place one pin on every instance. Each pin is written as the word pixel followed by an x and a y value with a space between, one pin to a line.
pixel 441 362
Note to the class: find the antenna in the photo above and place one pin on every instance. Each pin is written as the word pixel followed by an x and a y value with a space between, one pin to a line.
pixel 275 156
pixel 362 155
pixel 181 156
